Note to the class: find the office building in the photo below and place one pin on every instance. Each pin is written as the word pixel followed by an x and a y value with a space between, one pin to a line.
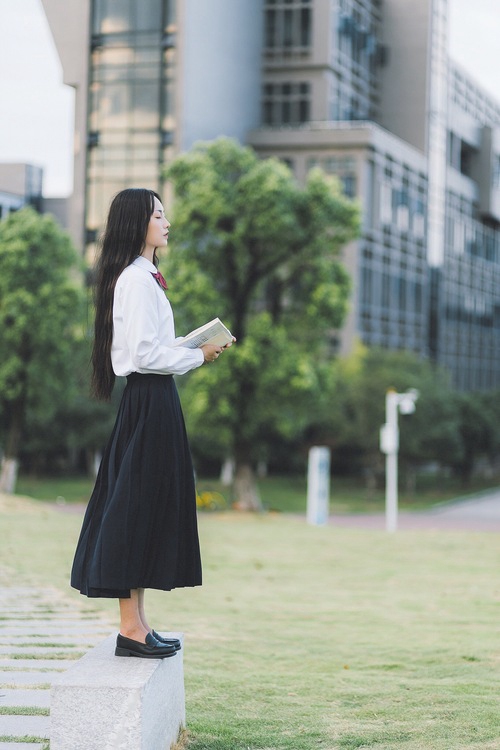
pixel 20 185
pixel 364 89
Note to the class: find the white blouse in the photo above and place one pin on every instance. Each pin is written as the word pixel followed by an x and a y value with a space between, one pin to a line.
pixel 143 326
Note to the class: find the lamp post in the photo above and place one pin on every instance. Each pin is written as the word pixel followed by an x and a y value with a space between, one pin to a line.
pixel 389 444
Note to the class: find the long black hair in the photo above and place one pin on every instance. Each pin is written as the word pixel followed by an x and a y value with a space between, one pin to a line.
pixel 122 241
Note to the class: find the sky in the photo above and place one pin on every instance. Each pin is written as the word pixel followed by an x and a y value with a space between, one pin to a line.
pixel 36 108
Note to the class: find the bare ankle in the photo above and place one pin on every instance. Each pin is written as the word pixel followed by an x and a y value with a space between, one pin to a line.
pixel 134 633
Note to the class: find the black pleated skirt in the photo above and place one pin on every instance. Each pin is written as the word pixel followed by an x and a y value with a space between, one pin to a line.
pixel 140 528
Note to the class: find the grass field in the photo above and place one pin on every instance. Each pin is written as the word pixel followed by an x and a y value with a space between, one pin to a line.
pixel 305 637
pixel 287 494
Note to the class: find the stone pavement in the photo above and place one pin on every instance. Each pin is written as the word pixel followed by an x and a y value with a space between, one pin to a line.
pixel 40 633
pixel 480 512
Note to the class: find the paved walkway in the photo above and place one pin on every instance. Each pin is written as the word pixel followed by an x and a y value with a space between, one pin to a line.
pixel 40 633
pixel 478 513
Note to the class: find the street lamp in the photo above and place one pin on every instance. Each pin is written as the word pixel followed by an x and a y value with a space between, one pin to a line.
pixel 389 444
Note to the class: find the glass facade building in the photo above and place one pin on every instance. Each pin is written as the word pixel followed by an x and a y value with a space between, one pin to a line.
pixel 467 320
pixel 20 185
pixel 418 145
pixel 364 89
pixel 131 109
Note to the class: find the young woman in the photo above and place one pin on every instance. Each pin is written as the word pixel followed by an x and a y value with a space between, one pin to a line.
pixel 140 528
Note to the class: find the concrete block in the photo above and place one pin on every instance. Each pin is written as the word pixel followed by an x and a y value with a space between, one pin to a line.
pixel 106 702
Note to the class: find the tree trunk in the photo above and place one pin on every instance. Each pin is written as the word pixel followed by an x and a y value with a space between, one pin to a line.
pixel 8 475
pixel 246 492
pixel 10 463
pixel 227 472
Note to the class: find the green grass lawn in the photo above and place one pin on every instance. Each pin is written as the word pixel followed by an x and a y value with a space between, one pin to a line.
pixel 281 493
pixel 304 637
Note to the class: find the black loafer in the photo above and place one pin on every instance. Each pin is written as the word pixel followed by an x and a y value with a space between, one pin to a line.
pixel 170 641
pixel 152 649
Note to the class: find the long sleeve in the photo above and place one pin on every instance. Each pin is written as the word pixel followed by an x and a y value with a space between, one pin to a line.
pixel 144 332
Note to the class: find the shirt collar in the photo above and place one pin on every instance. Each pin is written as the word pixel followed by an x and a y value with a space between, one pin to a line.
pixel 143 262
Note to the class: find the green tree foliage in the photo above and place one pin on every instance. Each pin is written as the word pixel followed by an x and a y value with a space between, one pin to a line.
pixel 252 247
pixel 71 437
pixel 41 307
pixel 454 430
pixel 479 431
pixel 358 409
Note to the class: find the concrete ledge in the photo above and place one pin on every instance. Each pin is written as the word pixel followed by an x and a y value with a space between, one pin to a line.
pixel 106 702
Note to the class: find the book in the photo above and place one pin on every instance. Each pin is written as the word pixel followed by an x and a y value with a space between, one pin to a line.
pixel 213 332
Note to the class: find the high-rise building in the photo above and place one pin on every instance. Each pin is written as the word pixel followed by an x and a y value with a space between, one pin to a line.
pixel 20 185
pixel 151 78
pixel 363 89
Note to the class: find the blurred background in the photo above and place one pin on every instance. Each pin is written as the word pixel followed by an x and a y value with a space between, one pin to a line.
pixel 398 101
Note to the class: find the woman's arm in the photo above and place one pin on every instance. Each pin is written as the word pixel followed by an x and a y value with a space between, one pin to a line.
pixel 151 349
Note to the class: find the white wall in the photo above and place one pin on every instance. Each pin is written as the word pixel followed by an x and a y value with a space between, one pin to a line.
pixel 220 70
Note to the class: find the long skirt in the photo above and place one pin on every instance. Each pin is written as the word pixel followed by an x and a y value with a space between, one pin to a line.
pixel 140 528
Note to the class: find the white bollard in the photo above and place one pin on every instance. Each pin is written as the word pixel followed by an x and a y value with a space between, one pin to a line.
pixel 318 486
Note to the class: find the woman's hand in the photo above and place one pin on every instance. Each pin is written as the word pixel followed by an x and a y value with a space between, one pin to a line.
pixel 211 352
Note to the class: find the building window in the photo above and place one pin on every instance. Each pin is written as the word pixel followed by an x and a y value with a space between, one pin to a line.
pixel 386 289
pixel 467 156
pixel 400 201
pixel 131 102
pixel 402 293
pixel 286 103
pixel 112 17
pixel 385 203
pixel 418 217
pixel 366 286
pixel 496 173
pixel 344 167
pixel 287 26
pixel 290 163
pixel 418 297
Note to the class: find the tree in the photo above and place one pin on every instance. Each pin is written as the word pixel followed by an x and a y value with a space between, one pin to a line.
pixel 478 431
pixel 253 247
pixel 71 436
pixel 355 412
pixel 40 315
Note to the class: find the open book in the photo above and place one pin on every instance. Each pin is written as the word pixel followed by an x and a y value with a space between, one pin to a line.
pixel 214 332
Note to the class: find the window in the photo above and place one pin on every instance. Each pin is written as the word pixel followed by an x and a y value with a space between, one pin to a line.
pixel 402 293
pixel 385 203
pixel 286 103
pixel 400 201
pixel 418 297
pixel 386 289
pixel 130 114
pixel 118 16
pixel 495 176
pixel 287 26
pixel 418 217
pixel 366 286
pixel 342 166
pixel 466 159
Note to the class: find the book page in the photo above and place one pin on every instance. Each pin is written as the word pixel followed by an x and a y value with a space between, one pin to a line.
pixel 214 332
